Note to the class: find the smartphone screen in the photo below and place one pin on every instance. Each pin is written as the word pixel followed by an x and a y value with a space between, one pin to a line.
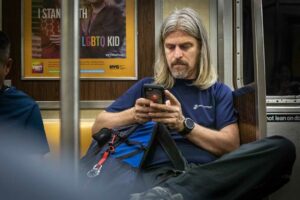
pixel 154 92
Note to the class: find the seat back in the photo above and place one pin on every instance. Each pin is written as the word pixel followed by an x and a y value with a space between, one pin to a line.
pixel 244 103
pixel 52 129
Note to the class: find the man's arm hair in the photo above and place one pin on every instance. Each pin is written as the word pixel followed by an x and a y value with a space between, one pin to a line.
pixel 217 142
pixel 112 120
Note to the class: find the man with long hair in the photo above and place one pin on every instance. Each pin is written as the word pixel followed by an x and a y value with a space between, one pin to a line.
pixel 200 117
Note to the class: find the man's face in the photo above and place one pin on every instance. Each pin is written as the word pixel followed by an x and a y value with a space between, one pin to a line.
pixel 182 53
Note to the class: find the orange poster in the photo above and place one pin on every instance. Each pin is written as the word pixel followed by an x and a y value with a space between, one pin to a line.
pixel 107 39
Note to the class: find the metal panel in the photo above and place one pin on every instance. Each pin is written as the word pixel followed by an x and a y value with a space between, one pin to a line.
pixel 54 105
pixel 158 22
pixel 70 85
pixel 221 67
pixel 288 100
pixel 213 30
pixel 238 55
pixel 282 108
pixel 259 66
pixel 225 41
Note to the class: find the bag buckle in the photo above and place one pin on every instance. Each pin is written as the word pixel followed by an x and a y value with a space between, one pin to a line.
pixel 95 171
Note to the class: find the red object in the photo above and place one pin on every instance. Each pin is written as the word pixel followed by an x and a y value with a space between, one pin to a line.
pixel 154 98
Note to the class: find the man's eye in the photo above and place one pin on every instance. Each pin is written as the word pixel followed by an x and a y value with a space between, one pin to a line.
pixel 170 47
pixel 185 47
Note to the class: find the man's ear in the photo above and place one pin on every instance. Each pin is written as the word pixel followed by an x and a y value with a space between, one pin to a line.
pixel 8 66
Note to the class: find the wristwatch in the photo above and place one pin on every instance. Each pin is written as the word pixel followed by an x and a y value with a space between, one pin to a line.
pixel 188 125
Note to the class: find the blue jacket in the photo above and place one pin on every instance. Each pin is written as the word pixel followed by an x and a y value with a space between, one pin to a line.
pixel 20 120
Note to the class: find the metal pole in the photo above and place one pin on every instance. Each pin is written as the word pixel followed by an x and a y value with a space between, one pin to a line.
pixel 220 36
pixel 158 22
pixel 69 85
pixel 259 67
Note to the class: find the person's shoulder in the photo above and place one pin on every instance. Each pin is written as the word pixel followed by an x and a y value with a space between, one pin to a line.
pixel 19 95
pixel 147 80
pixel 219 86
pixel 220 89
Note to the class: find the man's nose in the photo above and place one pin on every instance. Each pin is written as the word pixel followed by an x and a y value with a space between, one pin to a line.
pixel 178 52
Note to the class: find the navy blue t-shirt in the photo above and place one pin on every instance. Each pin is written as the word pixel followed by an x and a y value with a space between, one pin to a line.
pixel 212 108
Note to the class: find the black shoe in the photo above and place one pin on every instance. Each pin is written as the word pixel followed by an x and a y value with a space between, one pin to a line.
pixel 156 193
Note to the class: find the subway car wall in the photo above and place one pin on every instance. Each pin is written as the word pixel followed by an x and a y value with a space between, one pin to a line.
pixel 90 90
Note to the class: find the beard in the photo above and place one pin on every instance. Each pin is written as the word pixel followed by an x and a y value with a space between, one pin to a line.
pixel 179 74
pixel 179 69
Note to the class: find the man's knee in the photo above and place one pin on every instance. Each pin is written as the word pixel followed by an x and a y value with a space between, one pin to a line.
pixel 284 145
pixel 285 151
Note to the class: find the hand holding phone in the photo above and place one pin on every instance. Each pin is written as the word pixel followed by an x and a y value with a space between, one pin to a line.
pixel 155 93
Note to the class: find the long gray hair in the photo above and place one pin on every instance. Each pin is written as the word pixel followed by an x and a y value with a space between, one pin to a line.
pixel 188 21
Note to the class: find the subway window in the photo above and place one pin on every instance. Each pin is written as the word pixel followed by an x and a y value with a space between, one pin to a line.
pixel 281 21
pixel 282 46
pixel 248 60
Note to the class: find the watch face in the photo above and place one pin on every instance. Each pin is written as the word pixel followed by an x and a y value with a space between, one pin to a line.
pixel 189 123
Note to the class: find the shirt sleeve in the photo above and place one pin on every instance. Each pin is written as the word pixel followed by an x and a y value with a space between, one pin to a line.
pixel 127 100
pixel 225 112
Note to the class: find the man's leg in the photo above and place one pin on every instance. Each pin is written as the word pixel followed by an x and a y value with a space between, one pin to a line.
pixel 255 169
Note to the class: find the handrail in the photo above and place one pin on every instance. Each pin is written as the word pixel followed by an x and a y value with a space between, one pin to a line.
pixel 225 42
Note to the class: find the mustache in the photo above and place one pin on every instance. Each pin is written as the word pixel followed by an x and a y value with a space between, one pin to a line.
pixel 179 62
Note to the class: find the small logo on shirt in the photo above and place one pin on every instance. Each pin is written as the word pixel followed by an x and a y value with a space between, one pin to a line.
pixel 201 106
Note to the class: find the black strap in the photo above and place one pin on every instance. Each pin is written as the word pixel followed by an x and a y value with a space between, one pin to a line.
pixel 169 146
pixel 133 153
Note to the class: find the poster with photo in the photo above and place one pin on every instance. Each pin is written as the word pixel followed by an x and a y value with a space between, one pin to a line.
pixel 107 39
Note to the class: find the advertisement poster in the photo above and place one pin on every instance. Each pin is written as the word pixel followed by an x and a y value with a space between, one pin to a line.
pixel 107 39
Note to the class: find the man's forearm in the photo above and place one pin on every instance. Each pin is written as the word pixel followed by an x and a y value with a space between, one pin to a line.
pixel 216 142
pixel 111 120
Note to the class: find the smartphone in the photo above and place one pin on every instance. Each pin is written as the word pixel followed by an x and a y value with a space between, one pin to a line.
pixel 154 92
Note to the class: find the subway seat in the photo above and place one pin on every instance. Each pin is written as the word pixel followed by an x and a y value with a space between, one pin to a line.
pixel 52 129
